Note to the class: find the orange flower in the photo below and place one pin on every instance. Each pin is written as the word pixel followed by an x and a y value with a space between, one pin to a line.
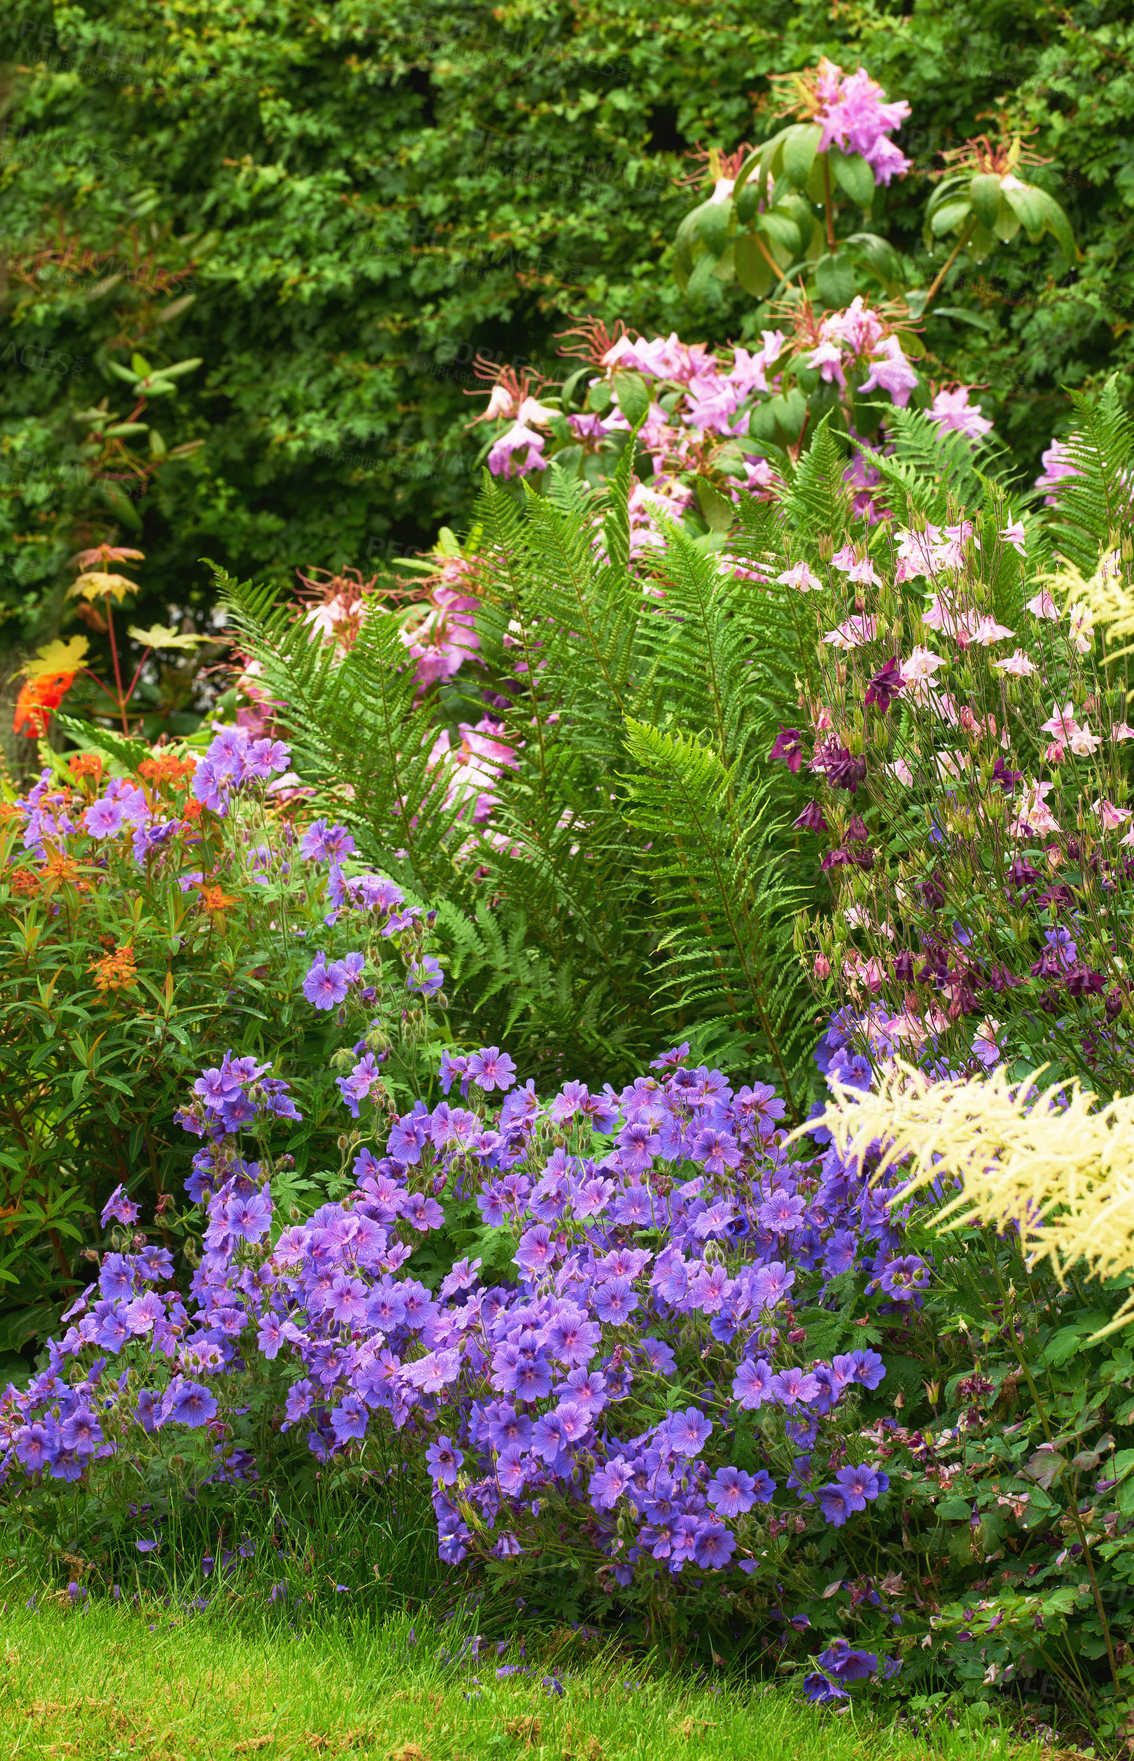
pixel 213 899
pixel 85 764
pixel 167 768
pixel 58 866
pixel 37 698
pixel 25 881
pixel 192 809
pixel 115 971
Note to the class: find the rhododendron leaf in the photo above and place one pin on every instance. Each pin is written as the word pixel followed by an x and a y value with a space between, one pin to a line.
pixel 984 192
pixel 854 175
pixel 782 229
pixel 1028 206
pixel 633 396
pixel 801 143
pixel 949 217
pixel 877 252
pixel 753 271
pixel 120 505
pixel 1007 222
pixel 834 277
pixel 58 657
pixel 712 225
pixel 717 508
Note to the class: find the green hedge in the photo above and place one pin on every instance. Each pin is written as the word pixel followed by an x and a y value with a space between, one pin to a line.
pixel 393 187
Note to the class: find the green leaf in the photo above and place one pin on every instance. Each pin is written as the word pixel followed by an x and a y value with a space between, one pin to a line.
pixel 984 193
pixel 753 270
pixel 717 508
pixel 834 277
pixel 877 252
pixel 801 143
pixel 854 175
pixel 633 396
pixel 782 229
pixel 1029 206
pixel 120 505
pixel 712 225
pixel 950 217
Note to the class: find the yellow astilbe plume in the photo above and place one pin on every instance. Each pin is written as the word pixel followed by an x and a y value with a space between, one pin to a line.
pixel 1055 1162
pixel 1106 597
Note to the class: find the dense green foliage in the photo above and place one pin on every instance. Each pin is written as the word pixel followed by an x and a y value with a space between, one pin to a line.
pixel 337 208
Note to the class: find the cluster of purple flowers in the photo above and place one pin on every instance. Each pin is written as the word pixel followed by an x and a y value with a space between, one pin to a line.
pixel 120 810
pixel 234 759
pixel 658 1233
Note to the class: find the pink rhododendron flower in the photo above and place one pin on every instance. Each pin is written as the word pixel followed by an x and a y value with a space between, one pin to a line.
pixel 890 371
pixel 955 414
pixel 1056 466
pixel 503 460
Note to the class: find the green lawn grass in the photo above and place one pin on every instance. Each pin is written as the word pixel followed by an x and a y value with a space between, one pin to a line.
pixel 108 1682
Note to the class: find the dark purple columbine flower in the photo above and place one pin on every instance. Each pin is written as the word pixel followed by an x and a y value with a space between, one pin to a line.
pixel 842 768
pixel 1005 777
pixel 811 819
pixel 1021 873
pixel 904 967
pixel 884 686
pixel 788 746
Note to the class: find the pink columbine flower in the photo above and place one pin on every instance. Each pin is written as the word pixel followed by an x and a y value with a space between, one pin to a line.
pixel 1061 722
pixel 1122 731
pixel 853 633
pixel 1082 627
pixel 1044 606
pixel 902 771
pixel 1015 535
pixel 1083 743
pixel 956 414
pixel 856 568
pixel 1112 817
pixel 801 578
pixel 921 665
pixel 1017 664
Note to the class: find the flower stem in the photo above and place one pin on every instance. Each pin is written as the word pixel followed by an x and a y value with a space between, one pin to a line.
pixel 966 233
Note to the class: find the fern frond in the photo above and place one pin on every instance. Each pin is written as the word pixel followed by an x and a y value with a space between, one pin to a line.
pixel 1089 505
pixel 722 894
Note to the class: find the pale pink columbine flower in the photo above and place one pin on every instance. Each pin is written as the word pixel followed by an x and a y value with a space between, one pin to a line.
pixel 987 631
pixel 1017 664
pixel 1128 840
pixel 1055 753
pixel 1061 722
pixel 856 568
pixel 916 554
pixel 1082 627
pixel 1034 817
pixel 950 548
pixel 956 414
pixel 921 664
pixel 853 633
pixel 1044 606
pixel 1083 743
pixel 824 720
pixel 1015 535
pixel 1112 817
pixel 801 578
pixel 950 763
pixel 946 615
pixel 1122 731
pixel 902 771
